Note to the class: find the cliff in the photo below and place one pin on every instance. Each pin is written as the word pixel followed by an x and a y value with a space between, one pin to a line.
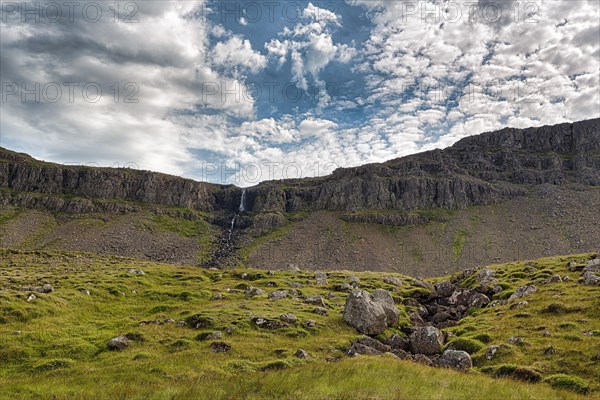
pixel 477 170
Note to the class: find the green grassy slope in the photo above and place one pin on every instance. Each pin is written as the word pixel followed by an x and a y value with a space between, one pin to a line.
pixel 55 345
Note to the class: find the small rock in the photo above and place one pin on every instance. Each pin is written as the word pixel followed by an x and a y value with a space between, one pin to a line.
pixel 519 304
pixel 216 335
pixel 321 311
pixel 392 280
pixel 553 279
pixel 301 354
pixel 278 295
pixel 422 359
pixel 372 343
pixel 296 285
pixel 491 352
pixel 402 354
pixel 136 271
pixel 315 301
pixel 31 297
pixel 310 323
pixel 253 291
pixel 119 343
pixel 243 275
pixel 519 341
pixel 289 318
pixel 592 266
pixel 180 323
pixel 217 296
pixel 220 347
pixel 16 332
pixel 550 351
pixel 478 300
pixel 547 334
pixel 47 289
pixel 85 292
pixel 321 278
pixel 332 296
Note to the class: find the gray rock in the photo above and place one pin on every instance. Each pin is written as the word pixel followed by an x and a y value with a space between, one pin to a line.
pixel 288 318
pixel 426 340
pixel 296 285
pixel 136 271
pixel 119 343
pixel 321 278
pixel 422 359
pixel 444 288
pixel 85 292
pixel 364 313
pixel 217 296
pixel 520 304
pixel 524 290
pixel 315 301
pixel 220 347
pixel 361 349
pixel 278 295
pixel 392 280
pixel 320 311
pixel 456 359
pixel 491 352
pixel 478 300
pixel 401 354
pixel 592 266
pixel 590 279
pixel 253 291
pixel 553 279
pixel 397 342
pixel 31 297
pixel 181 324
pixel 301 354
pixel 386 300
pixel 372 343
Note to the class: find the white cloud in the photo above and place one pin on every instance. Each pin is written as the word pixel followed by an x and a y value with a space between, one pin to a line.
pixel 237 52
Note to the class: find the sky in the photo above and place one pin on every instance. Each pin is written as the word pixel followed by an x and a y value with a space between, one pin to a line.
pixel 239 92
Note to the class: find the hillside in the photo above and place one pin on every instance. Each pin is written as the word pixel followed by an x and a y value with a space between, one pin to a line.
pixel 54 344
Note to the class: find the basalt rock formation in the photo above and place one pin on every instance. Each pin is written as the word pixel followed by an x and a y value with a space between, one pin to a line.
pixel 477 170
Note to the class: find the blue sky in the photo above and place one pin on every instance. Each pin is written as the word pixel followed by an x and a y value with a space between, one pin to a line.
pixel 366 81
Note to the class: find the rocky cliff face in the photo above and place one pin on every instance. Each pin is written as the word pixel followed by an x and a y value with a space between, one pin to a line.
pixel 477 170
pixel 21 173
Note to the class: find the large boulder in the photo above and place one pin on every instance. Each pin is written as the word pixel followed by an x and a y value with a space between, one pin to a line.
pixel 370 314
pixel 444 288
pixel 386 300
pixel 456 359
pixel 427 340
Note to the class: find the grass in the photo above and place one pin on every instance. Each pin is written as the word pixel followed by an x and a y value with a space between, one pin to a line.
pixel 458 243
pixel 60 349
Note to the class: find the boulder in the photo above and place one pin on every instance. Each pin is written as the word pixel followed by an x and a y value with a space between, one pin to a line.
pixel 386 300
pixel 321 278
pixel 401 354
pixel 427 340
pixel 524 290
pixel 367 314
pixel 278 295
pixel 553 279
pixel 372 343
pixel 117 344
pixel 590 279
pixel 444 288
pixel 289 318
pixel 422 359
pixel 478 300
pixel 253 291
pixel 397 342
pixel 592 266
pixel 315 301
pixel 456 359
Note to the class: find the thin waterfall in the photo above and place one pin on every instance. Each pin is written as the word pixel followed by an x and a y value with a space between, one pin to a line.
pixel 243 201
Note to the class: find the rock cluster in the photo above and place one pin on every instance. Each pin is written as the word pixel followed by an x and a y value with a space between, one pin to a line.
pixel 370 314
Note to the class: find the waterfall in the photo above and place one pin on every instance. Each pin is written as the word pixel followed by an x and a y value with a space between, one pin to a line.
pixel 243 201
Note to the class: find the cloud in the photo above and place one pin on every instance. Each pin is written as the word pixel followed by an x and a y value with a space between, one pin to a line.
pixel 237 52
